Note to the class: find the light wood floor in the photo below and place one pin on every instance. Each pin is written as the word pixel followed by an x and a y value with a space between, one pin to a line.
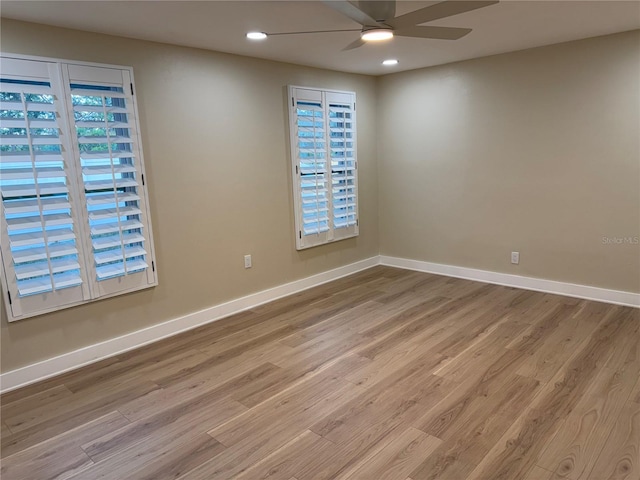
pixel 387 374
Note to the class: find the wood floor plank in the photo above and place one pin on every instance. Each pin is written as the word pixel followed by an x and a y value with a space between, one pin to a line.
pixel 358 319
pixel 453 287
pixel 39 461
pixel 635 395
pixel 346 298
pixel 542 330
pixel 144 361
pixel 294 404
pixel 483 317
pixel 398 458
pixel 23 393
pixel 473 417
pixel 518 450
pixel 163 461
pixel 245 450
pixel 70 419
pixel 620 457
pixel 384 365
pixel 387 373
pixel 174 461
pixel 262 389
pixel 402 396
pixel 153 370
pixel 482 352
pixel 574 449
pixel 313 354
pixel 97 404
pixel 205 335
pixel 239 342
pixel 39 465
pixel 423 320
pixel 194 417
pixel 432 332
pixel 466 410
pixel 220 354
pixel 9 412
pixel 571 332
pixel 156 402
pixel 413 319
pixel 418 286
pixel 206 380
pixel 340 459
pixel 538 473
pixel 440 465
pixel 288 459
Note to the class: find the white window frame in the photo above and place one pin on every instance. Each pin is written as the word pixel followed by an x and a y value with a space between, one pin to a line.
pixel 60 78
pixel 324 97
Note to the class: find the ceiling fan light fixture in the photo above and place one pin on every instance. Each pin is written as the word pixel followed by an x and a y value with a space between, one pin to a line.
pixel 376 34
pixel 256 35
pixel 390 62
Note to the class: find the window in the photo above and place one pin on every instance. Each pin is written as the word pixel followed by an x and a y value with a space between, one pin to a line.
pixel 322 127
pixel 75 219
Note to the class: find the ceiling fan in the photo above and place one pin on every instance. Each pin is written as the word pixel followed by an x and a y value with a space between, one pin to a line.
pixel 379 22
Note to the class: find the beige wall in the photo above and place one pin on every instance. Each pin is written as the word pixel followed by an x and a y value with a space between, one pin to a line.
pixel 536 151
pixel 214 139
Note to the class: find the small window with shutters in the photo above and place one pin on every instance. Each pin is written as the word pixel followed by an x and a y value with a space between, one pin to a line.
pixel 322 126
pixel 75 220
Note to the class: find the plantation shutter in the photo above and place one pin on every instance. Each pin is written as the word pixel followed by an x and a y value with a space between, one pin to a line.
pixel 311 172
pixel 323 151
pixel 75 221
pixel 107 149
pixel 341 121
pixel 42 262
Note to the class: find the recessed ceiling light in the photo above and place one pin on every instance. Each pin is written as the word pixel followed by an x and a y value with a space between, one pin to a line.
pixel 377 34
pixel 391 61
pixel 256 35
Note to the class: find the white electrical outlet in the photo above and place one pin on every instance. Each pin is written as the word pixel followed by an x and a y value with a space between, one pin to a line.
pixel 515 258
pixel 247 261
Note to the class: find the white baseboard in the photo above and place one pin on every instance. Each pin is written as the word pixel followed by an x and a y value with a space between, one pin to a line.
pixel 528 283
pixel 99 351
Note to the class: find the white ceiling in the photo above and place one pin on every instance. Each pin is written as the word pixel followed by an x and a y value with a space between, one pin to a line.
pixel 221 25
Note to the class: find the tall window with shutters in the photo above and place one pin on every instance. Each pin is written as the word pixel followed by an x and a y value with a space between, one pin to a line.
pixel 322 125
pixel 75 219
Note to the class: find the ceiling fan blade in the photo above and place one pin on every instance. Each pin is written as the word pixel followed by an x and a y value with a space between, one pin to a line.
pixel 355 44
pixel 439 33
pixel 348 9
pixel 274 34
pixel 379 10
pixel 437 11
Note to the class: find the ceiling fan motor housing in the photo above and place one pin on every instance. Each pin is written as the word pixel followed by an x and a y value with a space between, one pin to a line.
pixel 378 10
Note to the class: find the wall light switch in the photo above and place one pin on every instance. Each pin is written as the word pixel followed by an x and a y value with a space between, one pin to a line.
pixel 247 261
